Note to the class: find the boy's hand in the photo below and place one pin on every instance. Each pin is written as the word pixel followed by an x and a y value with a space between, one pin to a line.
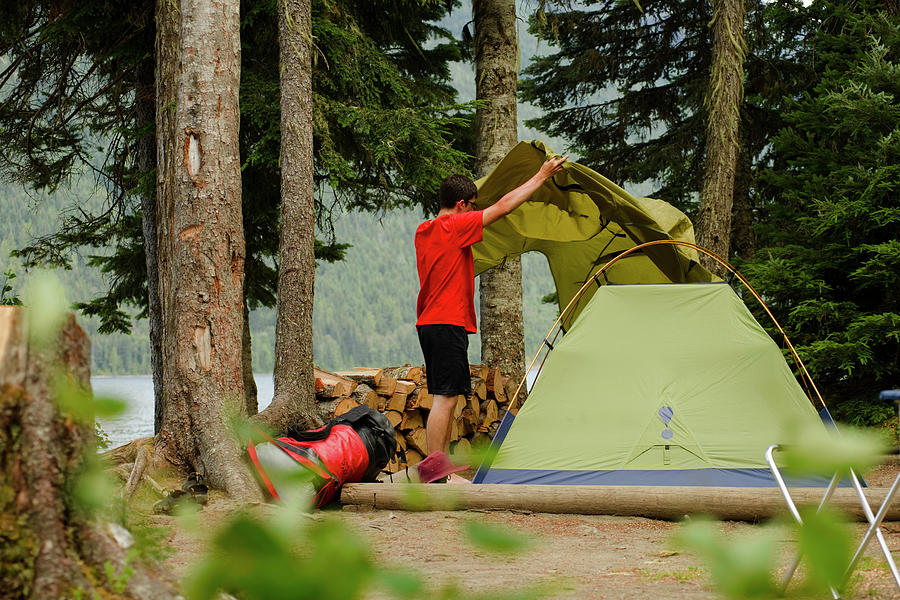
pixel 552 166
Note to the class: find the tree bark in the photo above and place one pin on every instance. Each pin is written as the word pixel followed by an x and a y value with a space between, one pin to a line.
pixel 144 164
pixel 726 91
pixel 655 502
pixel 50 548
pixel 294 400
pixel 201 241
pixel 496 51
pixel 742 239
pixel 251 402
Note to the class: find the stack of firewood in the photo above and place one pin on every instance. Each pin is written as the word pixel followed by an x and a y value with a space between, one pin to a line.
pixel 402 395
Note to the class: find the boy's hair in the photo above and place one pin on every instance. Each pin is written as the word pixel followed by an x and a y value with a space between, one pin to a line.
pixel 455 188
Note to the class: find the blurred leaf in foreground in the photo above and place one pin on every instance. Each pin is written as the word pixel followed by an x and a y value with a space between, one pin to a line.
pixel 740 568
pixel 815 449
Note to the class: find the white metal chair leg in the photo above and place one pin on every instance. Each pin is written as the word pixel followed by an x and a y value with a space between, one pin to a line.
pixel 792 507
pixel 875 528
pixel 873 520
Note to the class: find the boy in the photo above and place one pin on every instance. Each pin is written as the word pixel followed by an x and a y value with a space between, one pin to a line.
pixel 445 308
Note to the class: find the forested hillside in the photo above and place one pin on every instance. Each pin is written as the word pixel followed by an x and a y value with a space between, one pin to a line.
pixel 364 307
pixel 26 217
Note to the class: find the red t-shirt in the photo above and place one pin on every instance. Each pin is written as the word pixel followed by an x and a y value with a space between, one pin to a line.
pixel 446 269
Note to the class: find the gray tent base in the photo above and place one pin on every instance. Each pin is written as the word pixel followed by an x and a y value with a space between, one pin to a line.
pixel 756 477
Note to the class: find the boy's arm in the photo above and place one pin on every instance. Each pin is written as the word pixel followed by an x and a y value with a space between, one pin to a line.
pixel 511 200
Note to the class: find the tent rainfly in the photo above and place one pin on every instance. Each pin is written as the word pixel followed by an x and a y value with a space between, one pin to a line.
pixel 580 220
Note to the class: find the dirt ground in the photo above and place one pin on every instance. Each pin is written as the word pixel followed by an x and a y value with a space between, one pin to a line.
pixel 572 556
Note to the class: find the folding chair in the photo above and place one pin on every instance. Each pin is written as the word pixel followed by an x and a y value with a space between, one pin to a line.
pixel 873 519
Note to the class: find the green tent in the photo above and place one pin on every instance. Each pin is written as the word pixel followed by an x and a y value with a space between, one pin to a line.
pixel 580 220
pixel 664 380
pixel 658 384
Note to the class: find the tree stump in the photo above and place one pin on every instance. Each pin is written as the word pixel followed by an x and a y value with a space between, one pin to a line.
pixel 49 545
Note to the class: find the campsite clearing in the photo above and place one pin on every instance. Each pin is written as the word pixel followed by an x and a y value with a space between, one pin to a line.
pixel 574 556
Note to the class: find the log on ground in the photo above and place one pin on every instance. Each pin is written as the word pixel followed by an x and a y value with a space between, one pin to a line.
pixel 656 502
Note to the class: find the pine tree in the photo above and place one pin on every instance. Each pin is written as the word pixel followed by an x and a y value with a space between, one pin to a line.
pixel 628 86
pixel 830 258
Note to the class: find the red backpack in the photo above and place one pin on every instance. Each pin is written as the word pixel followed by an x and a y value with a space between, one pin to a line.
pixel 354 447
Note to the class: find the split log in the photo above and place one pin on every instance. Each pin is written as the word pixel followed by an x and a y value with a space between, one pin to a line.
pixel 460 405
pixel 397 463
pixel 466 423
pixel 480 371
pixel 341 386
pixel 397 402
pixel 363 394
pixel 401 441
pixel 51 547
pixel 479 388
pixel 412 419
pixel 511 387
pixel 496 383
pixel 405 386
pixel 462 448
pixel 387 386
pixel 407 372
pixel 424 400
pixel 326 408
pixel 474 406
pixel 415 439
pixel 346 404
pixel 394 417
pixel 324 392
pixel 656 502
pixel 370 377
pixel 413 457
pixel 489 416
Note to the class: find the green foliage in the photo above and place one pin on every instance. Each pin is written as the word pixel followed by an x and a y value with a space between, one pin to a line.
pixel 494 538
pixel 830 261
pixel 741 569
pixel 260 562
pixel 814 449
pixel 118 580
pixel 286 556
pixel 825 540
pixel 7 295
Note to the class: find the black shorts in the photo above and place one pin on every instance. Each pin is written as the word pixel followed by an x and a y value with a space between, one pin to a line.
pixel 446 351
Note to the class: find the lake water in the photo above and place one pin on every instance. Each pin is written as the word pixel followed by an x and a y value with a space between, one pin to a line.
pixel 137 393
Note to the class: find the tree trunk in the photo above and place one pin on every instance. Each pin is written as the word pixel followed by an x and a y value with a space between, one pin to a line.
pixel 742 240
pixel 201 240
pixel 654 502
pixel 496 51
pixel 726 91
pixel 294 400
pixel 49 548
pixel 144 164
pixel 251 402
